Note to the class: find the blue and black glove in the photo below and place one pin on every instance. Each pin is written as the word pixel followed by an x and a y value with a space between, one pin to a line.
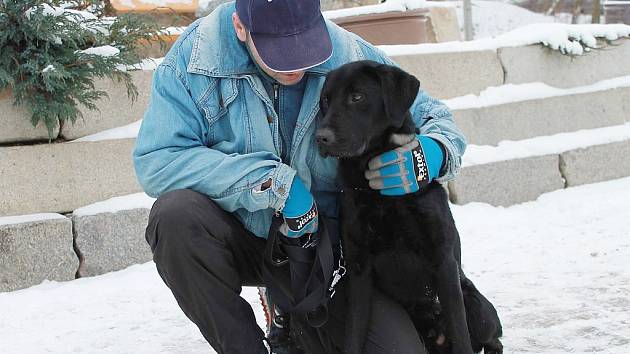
pixel 299 212
pixel 406 169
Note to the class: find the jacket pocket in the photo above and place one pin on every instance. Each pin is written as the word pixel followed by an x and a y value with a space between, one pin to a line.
pixel 214 104
pixel 217 97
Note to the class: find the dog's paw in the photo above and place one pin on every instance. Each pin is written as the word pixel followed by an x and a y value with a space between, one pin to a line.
pixel 440 340
pixel 495 347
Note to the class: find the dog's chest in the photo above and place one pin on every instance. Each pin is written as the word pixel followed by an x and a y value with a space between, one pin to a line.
pixel 401 253
pixel 393 225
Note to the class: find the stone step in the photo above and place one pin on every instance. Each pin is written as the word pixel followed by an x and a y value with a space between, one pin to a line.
pixel 34 248
pixel 443 75
pixel 109 235
pixel 536 63
pixel 16 122
pixel 113 111
pixel 521 171
pixel 65 176
pixel 569 110
pixel 99 238
pixel 453 69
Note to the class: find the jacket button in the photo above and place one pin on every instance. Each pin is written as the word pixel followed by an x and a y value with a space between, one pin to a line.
pixel 281 190
pixel 269 119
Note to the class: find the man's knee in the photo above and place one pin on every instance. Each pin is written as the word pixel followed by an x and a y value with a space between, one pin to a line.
pixel 391 329
pixel 173 213
pixel 176 204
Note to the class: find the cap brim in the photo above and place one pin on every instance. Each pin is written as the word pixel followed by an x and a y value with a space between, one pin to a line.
pixel 295 52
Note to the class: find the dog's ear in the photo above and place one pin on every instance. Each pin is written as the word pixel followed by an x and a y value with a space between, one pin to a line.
pixel 399 91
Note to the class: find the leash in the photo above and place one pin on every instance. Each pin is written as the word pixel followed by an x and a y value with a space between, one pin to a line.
pixel 302 279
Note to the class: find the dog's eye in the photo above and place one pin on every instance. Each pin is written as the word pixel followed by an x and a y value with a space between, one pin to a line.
pixel 356 97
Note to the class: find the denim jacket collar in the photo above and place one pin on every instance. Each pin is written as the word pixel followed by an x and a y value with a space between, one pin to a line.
pixel 216 37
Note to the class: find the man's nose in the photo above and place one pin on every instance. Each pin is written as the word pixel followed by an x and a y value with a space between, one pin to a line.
pixel 324 136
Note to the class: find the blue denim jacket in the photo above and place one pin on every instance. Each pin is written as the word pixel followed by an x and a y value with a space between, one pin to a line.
pixel 211 127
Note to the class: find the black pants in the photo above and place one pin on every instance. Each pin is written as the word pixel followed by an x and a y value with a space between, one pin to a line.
pixel 204 255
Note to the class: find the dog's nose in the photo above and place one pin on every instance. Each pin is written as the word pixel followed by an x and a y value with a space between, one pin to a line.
pixel 324 136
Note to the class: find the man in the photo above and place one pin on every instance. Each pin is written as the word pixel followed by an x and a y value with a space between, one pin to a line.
pixel 228 140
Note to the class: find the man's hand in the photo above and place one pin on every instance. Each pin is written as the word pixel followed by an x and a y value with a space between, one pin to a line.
pixel 299 212
pixel 406 169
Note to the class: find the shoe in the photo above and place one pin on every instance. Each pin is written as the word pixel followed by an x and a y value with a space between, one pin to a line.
pixel 265 348
pixel 278 330
pixel 279 336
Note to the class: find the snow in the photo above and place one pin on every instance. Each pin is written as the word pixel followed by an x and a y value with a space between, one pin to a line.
pixel 174 30
pixel 491 18
pixel 555 268
pixel 50 67
pixel 104 51
pixel 82 15
pixel 47 10
pixel 563 37
pixel 388 6
pixel 124 132
pixel 112 205
pixel 19 219
pixel 496 95
pixel 145 64
pixel 544 145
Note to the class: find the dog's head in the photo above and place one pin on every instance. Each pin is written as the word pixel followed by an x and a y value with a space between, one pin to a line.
pixel 363 104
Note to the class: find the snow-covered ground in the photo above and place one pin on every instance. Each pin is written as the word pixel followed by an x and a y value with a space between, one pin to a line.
pixel 492 18
pixel 556 268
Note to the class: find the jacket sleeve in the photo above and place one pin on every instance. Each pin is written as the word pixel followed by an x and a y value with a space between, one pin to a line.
pixel 432 117
pixel 170 154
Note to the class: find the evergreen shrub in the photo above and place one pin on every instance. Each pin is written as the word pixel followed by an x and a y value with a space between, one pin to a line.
pixel 52 51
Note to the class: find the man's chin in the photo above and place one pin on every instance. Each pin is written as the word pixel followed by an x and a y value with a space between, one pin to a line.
pixel 288 83
pixel 289 80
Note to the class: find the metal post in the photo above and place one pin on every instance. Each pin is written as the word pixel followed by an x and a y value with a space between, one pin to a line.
pixel 597 11
pixel 468 25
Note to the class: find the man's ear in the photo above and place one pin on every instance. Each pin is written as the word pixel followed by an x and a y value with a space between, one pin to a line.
pixel 239 28
pixel 399 90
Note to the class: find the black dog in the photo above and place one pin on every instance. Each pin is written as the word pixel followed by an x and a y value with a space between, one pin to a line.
pixel 406 246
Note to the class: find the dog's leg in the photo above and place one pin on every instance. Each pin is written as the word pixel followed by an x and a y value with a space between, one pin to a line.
pixel 359 309
pixel 359 278
pixel 483 321
pixel 452 303
pixel 441 226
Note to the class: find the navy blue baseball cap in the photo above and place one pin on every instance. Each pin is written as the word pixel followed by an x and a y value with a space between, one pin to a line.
pixel 289 35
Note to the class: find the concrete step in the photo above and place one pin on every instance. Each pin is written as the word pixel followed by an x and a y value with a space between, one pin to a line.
pixel 109 235
pixel 62 177
pixel 443 74
pixel 453 69
pixel 517 112
pixel 99 238
pixel 520 171
pixel 113 111
pixel 34 248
